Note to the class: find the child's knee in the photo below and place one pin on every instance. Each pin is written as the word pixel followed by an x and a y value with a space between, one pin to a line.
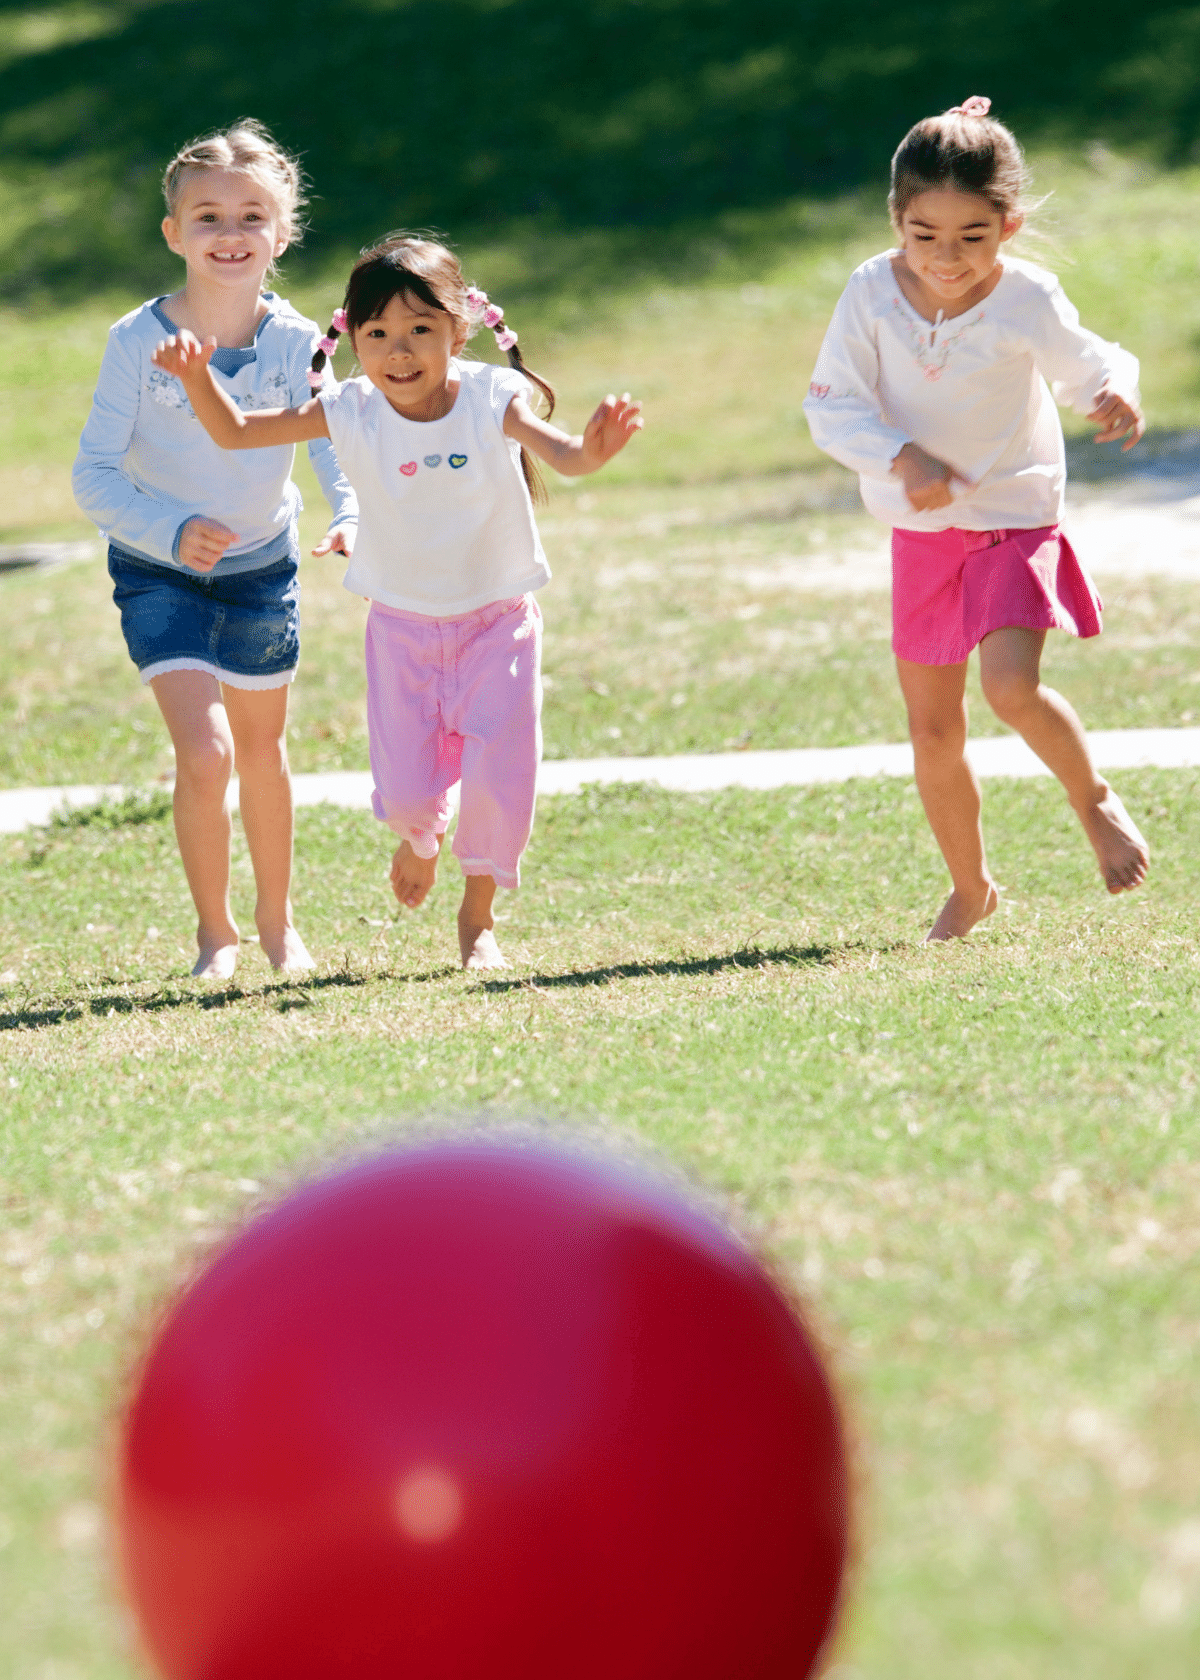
pixel 937 730
pixel 1008 692
pixel 262 756
pixel 206 766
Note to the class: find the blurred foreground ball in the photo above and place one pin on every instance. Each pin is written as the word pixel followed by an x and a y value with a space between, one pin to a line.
pixel 480 1410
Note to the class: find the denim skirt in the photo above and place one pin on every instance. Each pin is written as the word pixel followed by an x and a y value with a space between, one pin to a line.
pixel 242 627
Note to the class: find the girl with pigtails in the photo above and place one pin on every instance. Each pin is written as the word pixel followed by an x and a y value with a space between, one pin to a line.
pixel 438 451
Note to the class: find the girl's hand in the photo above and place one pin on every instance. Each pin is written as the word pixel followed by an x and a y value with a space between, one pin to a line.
pixel 184 355
pixel 203 542
pixel 927 481
pixel 338 541
pixel 609 430
pixel 1118 417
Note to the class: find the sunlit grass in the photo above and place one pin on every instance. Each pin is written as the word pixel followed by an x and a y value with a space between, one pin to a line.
pixel 692 619
pixel 979 1162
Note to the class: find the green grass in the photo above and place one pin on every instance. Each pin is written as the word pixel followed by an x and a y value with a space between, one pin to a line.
pixel 677 621
pixel 718 342
pixel 980 1163
pixel 630 114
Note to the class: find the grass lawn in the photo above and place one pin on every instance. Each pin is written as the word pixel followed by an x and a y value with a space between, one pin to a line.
pixel 980 1162
pixel 677 621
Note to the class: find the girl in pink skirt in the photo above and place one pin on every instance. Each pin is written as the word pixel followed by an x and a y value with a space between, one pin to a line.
pixel 935 385
pixel 438 448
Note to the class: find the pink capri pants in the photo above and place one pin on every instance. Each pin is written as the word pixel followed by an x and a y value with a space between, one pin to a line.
pixel 452 699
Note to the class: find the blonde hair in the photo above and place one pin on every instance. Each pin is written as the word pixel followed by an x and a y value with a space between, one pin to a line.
pixel 967 152
pixel 249 148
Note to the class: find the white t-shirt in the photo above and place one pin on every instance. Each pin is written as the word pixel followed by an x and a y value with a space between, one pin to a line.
pixel 971 390
pixel 445 520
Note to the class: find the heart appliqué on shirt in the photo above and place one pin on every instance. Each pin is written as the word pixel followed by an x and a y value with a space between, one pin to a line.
pixel 458 460
pixel 409 468
pixel 433 460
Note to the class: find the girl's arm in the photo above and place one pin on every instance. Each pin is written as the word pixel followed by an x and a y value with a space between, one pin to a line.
pixel 842 406
pixel 103 490
pixel 843 412
pixel 336 488
pixel 605 435
pixel 1085 372
pixel 222 419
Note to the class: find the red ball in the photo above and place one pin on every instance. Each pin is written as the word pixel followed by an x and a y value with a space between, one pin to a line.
pixel 477 1410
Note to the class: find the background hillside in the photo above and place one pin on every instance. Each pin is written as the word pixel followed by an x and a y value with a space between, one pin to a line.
pixel 473 113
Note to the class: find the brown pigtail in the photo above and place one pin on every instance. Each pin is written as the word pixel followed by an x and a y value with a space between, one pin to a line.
pixel 533 473
pixel 325 348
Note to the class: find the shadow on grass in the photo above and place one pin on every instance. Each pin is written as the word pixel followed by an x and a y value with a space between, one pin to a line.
pixel 786 956
pixel 291 994
pixel 298 994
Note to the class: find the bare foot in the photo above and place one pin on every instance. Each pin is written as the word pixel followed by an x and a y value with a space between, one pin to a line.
pixel 478 946
pixel 961 911
pixel 286 950
pixel 218 957
pixel 1123 855
pixel 412 876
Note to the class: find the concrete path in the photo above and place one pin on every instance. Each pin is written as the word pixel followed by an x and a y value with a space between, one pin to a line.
pixel 1113 749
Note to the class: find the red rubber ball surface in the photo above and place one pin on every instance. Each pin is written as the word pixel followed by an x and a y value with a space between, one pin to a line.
pixel 474 1411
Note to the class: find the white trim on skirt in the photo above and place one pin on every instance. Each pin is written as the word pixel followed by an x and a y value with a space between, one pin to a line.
pixel 233 679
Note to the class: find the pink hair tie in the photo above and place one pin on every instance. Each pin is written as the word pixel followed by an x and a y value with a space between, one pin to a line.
pixel 476 300
pixel 340 323
pixel 316 378
pixel 329 345
pixel 977 106
pixel 492 316
pixel 506 339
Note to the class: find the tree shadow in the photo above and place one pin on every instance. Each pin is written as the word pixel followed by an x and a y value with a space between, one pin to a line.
pixel 614 113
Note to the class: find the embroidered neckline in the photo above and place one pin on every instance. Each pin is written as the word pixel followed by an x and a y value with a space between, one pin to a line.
pixel 929 356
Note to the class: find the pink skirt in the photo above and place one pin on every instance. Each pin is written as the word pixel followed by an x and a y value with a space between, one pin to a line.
pixel 952 588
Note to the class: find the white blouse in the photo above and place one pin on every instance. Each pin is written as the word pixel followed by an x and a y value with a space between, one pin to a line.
pixel 972 391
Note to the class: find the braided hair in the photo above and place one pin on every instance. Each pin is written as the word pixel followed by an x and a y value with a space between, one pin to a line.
pixel 405 262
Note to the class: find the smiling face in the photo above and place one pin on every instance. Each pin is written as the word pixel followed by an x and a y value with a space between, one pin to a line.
pixel 951 242
pixel 406 351
pixel 226 228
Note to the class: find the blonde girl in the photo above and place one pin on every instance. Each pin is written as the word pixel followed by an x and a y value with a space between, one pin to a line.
pixel 935 385
pixel 438 449
pixel 203 550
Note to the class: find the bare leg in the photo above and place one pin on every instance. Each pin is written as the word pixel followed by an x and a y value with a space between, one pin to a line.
pixel 258 723
pixel 190 702
pixel 413 876
pixel 1009 668
pixel 937 723
pixel 476 940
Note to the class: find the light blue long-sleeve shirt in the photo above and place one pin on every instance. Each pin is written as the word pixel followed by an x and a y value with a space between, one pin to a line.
pixel 146 465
